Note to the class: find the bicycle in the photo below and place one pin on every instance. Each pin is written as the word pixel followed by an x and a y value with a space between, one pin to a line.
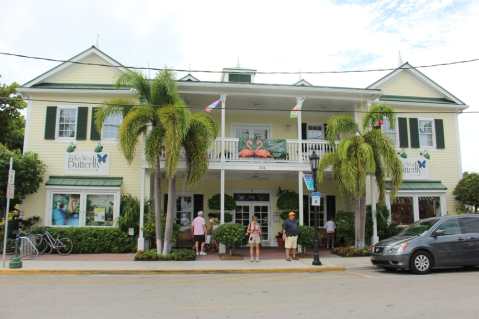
pixel 46 243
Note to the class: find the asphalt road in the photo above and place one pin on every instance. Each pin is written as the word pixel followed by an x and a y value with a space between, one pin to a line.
pixel 361 293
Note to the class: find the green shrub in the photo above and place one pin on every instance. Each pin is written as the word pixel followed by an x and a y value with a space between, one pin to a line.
pixel 149 230
pixel 351 251
pixel 176 255
pixel 230 235
pixel 129 213
pixel 345 228
pixel 94 240
pixel 306 236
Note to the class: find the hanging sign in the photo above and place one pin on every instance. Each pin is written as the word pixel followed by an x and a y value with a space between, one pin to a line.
pixel 11 184
pixel 309 182
pixel 87 163
pixel 315 199
pixel 415 168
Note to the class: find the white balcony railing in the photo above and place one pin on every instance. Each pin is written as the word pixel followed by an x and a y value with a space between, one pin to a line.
pixel 295 151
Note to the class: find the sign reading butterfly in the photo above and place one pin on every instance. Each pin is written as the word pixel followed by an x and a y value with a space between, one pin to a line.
pixel 87 163
pixel 415 168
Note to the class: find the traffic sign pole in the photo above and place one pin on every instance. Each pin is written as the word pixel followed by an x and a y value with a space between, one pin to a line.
pixel 11 181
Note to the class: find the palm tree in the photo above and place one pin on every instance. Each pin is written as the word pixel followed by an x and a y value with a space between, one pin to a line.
pixel 360 154
pixel 143 120
pixel 163 119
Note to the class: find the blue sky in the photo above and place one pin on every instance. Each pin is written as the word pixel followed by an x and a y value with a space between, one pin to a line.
pixel 267 35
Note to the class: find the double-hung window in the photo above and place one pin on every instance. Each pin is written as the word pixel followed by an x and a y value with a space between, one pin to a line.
pixel 67 122
pixel 111 127
pixel 426 131
pixel 390 132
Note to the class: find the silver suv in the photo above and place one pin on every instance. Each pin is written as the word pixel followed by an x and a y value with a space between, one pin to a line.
pixel 447 241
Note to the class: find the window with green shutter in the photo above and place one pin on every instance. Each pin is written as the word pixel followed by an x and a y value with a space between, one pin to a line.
pixel 403 136
pixel 50 122
pixel 82 121
pixel 414 132
pixel 439 128
pixel 94 133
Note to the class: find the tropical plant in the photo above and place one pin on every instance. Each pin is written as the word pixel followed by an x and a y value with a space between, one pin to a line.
pixel 12 122
pixel 214 202
pixel 287 201
pixel 230 235
pixel 359 154
pixel 467 191
pixel 165 123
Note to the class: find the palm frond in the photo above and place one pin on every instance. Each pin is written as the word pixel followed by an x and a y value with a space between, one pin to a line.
pixel 153 144
pixel 137 81
pixel 112 107
pixel 175 120
pixel 133 126
pixel 201 133
pixel 379 112
pixel 340 125
pixel 163 89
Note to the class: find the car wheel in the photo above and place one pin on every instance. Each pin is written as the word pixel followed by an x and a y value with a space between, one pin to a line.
pixel 421 263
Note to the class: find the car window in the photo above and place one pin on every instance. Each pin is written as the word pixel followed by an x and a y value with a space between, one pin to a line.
pixel 450 227
pixel 418 228
pixel 469 225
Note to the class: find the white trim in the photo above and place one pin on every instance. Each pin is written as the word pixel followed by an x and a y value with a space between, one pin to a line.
pixel 77 58
pixel 115 92
pixel 405 104
pixel 428 147
pixel 419 75
pixel 458 149
pixel 57 123
pixel 83 192
pixel 235 126
pixel 28 124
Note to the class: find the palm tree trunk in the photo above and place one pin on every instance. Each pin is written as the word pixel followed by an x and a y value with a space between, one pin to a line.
pixel 360 223
pixel 357 217
pixel 157 207
pixel 170 215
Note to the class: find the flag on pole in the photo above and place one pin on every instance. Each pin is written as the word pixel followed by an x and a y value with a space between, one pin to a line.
pixel 297 108
pixel 213 106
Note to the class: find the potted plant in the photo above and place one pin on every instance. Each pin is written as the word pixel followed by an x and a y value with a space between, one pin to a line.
pixel 230 235
pixel 214 205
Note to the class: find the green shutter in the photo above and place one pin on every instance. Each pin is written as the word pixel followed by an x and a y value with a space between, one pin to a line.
pixel 414 132
pixel 94 133
pixel 403 136
pixel 50 122
pixel 82 120
pixel 439 126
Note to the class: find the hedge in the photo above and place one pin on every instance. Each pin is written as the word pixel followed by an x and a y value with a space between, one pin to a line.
pixel 94 240
pixel 177 255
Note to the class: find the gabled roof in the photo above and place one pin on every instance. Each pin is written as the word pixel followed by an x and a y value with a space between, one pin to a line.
pixel 77 58
pixel 406 67
pixel 302 82
pixel 189 77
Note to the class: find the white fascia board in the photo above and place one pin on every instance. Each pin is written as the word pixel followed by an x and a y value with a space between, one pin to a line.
pixel 459 107
pixel 27 90
pixel 77 58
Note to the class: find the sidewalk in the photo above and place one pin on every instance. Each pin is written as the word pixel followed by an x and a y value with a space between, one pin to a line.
pixel 112 266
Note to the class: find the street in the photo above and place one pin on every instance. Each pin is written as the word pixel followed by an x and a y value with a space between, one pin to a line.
pixel 357 293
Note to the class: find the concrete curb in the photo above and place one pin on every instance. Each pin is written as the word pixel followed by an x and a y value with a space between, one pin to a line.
pixel 13 272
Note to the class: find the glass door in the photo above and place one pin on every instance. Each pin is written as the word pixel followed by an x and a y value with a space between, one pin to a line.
pixel 245 211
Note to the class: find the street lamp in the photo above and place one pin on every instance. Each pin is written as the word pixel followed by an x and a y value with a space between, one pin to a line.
pixel 314 159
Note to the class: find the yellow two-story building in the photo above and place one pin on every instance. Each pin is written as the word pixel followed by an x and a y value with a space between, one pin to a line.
pixel 86 171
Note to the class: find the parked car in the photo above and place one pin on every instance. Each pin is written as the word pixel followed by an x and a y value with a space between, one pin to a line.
pixel 447 241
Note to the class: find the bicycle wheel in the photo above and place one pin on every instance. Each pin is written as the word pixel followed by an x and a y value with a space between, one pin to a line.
pixel 41 243
pixel 64 246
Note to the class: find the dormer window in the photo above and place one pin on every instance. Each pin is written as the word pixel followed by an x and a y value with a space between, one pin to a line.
pixel 238 75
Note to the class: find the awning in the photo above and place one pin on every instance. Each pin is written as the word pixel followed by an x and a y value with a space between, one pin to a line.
pixel 84 181
pixel 419 185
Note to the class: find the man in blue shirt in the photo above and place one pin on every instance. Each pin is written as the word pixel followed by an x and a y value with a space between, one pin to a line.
pixel 290 236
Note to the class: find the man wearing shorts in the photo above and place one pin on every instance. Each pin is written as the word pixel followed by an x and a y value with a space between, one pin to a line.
pixel 199 233
pixel 290 236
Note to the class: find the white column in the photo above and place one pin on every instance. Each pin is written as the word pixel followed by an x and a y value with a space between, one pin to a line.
pixel 223 123
pixel 300 198
pixel 222 248
pixel 443 201
pixel 222 197
pixel 141 239
pixel 415 205
pixel 388 206
pixel 299 118
pixel 375 238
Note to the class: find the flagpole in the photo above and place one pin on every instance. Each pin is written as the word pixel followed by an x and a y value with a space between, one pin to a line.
pixel 4 254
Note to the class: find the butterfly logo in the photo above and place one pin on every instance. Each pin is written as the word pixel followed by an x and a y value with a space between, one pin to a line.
pixel 101 158
pixel 422 164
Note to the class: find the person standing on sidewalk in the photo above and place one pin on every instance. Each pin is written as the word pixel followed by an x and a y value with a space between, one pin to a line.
pixel 290 236
pixel 254 239
pixel 199 234
pixel 330 227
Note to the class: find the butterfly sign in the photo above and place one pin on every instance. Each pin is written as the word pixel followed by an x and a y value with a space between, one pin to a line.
pixel 421 164
pixel 101 158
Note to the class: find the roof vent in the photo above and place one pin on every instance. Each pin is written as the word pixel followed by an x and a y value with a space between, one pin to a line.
pixel 238 75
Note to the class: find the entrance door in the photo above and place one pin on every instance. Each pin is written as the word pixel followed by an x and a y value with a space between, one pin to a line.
pixel 246 210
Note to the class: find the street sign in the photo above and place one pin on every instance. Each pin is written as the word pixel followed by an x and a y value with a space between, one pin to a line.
pixel 10 191
pixel 11 177
pixel 316 199
pixel 309 182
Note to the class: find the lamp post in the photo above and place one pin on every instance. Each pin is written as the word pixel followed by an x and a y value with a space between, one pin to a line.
pixel 314 159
